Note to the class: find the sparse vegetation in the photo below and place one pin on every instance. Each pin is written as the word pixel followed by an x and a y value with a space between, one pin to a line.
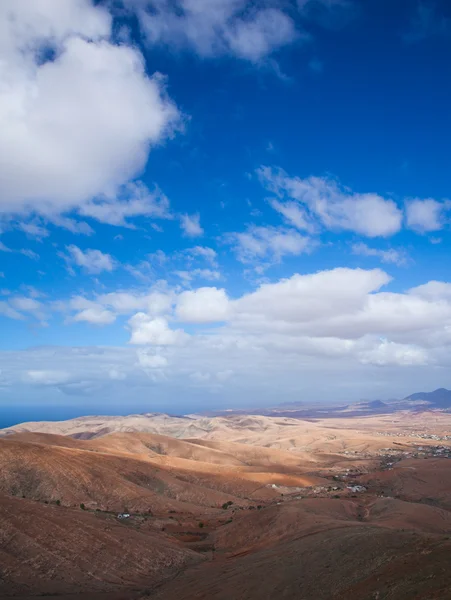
pixel 201 524
pixel 58 502
pixel 82 506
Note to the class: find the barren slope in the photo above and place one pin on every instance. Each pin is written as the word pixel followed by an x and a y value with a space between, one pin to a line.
pixel 51 549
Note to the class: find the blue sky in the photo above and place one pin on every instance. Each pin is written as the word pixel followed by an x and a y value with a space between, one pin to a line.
pixel 222 203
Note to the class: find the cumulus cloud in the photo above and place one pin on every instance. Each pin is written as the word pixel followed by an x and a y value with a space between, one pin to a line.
pixel 190 225
pixel 146 330
pixel 396 257
pixel 154 302
pixel 78 114
pixel 425 215
pixel 343 323
pixel 389 353
pixel 268 243
pixel 204 305
pixel 92 261
pixel 335 207
pixel 310 299
pixel 148 359
pixel 216 27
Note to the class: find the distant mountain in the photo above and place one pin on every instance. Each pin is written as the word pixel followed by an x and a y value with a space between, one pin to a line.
pixel 440 398
pixel 369 405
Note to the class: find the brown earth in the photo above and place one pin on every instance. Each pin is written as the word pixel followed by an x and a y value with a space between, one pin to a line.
pixel 290 527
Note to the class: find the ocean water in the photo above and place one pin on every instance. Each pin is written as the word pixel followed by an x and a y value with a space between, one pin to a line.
pixel 12 415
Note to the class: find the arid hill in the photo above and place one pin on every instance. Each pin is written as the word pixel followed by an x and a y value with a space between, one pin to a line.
pixel 238 507
pixel 56 550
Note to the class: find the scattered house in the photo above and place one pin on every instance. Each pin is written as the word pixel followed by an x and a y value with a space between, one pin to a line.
pixel 356 488
pixel 123 516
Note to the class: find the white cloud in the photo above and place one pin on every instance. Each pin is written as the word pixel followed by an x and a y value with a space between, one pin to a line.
pixel 294 214
pixel 79 126
pixel 190 225
pixel 150 331
pixel 389 353
pixel 204 305
pixel 336 208
pixel 258 36
pixel 4 248
pixel 7 311
pixel 103 309
pixel 78 227
pixel 92 261
pixel 207 274
pixel 268 243
pixel 153 302
pixel 27 305
pixel 95 315
pixel 216 27
pixel 341 325
pixel 24 251
pixel 396 257
pixel 204 252
pixel 148 359
pixel 433 290
pixel 47 377
pixel 29 253
pixel 307 299
pixel 425 215
pixel 136 200
pixel 34 230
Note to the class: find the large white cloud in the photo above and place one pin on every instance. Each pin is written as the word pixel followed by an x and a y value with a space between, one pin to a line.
pixel 78 114
pixel 305 298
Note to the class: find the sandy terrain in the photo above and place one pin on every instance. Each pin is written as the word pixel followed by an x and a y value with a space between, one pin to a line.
pixel 227 507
